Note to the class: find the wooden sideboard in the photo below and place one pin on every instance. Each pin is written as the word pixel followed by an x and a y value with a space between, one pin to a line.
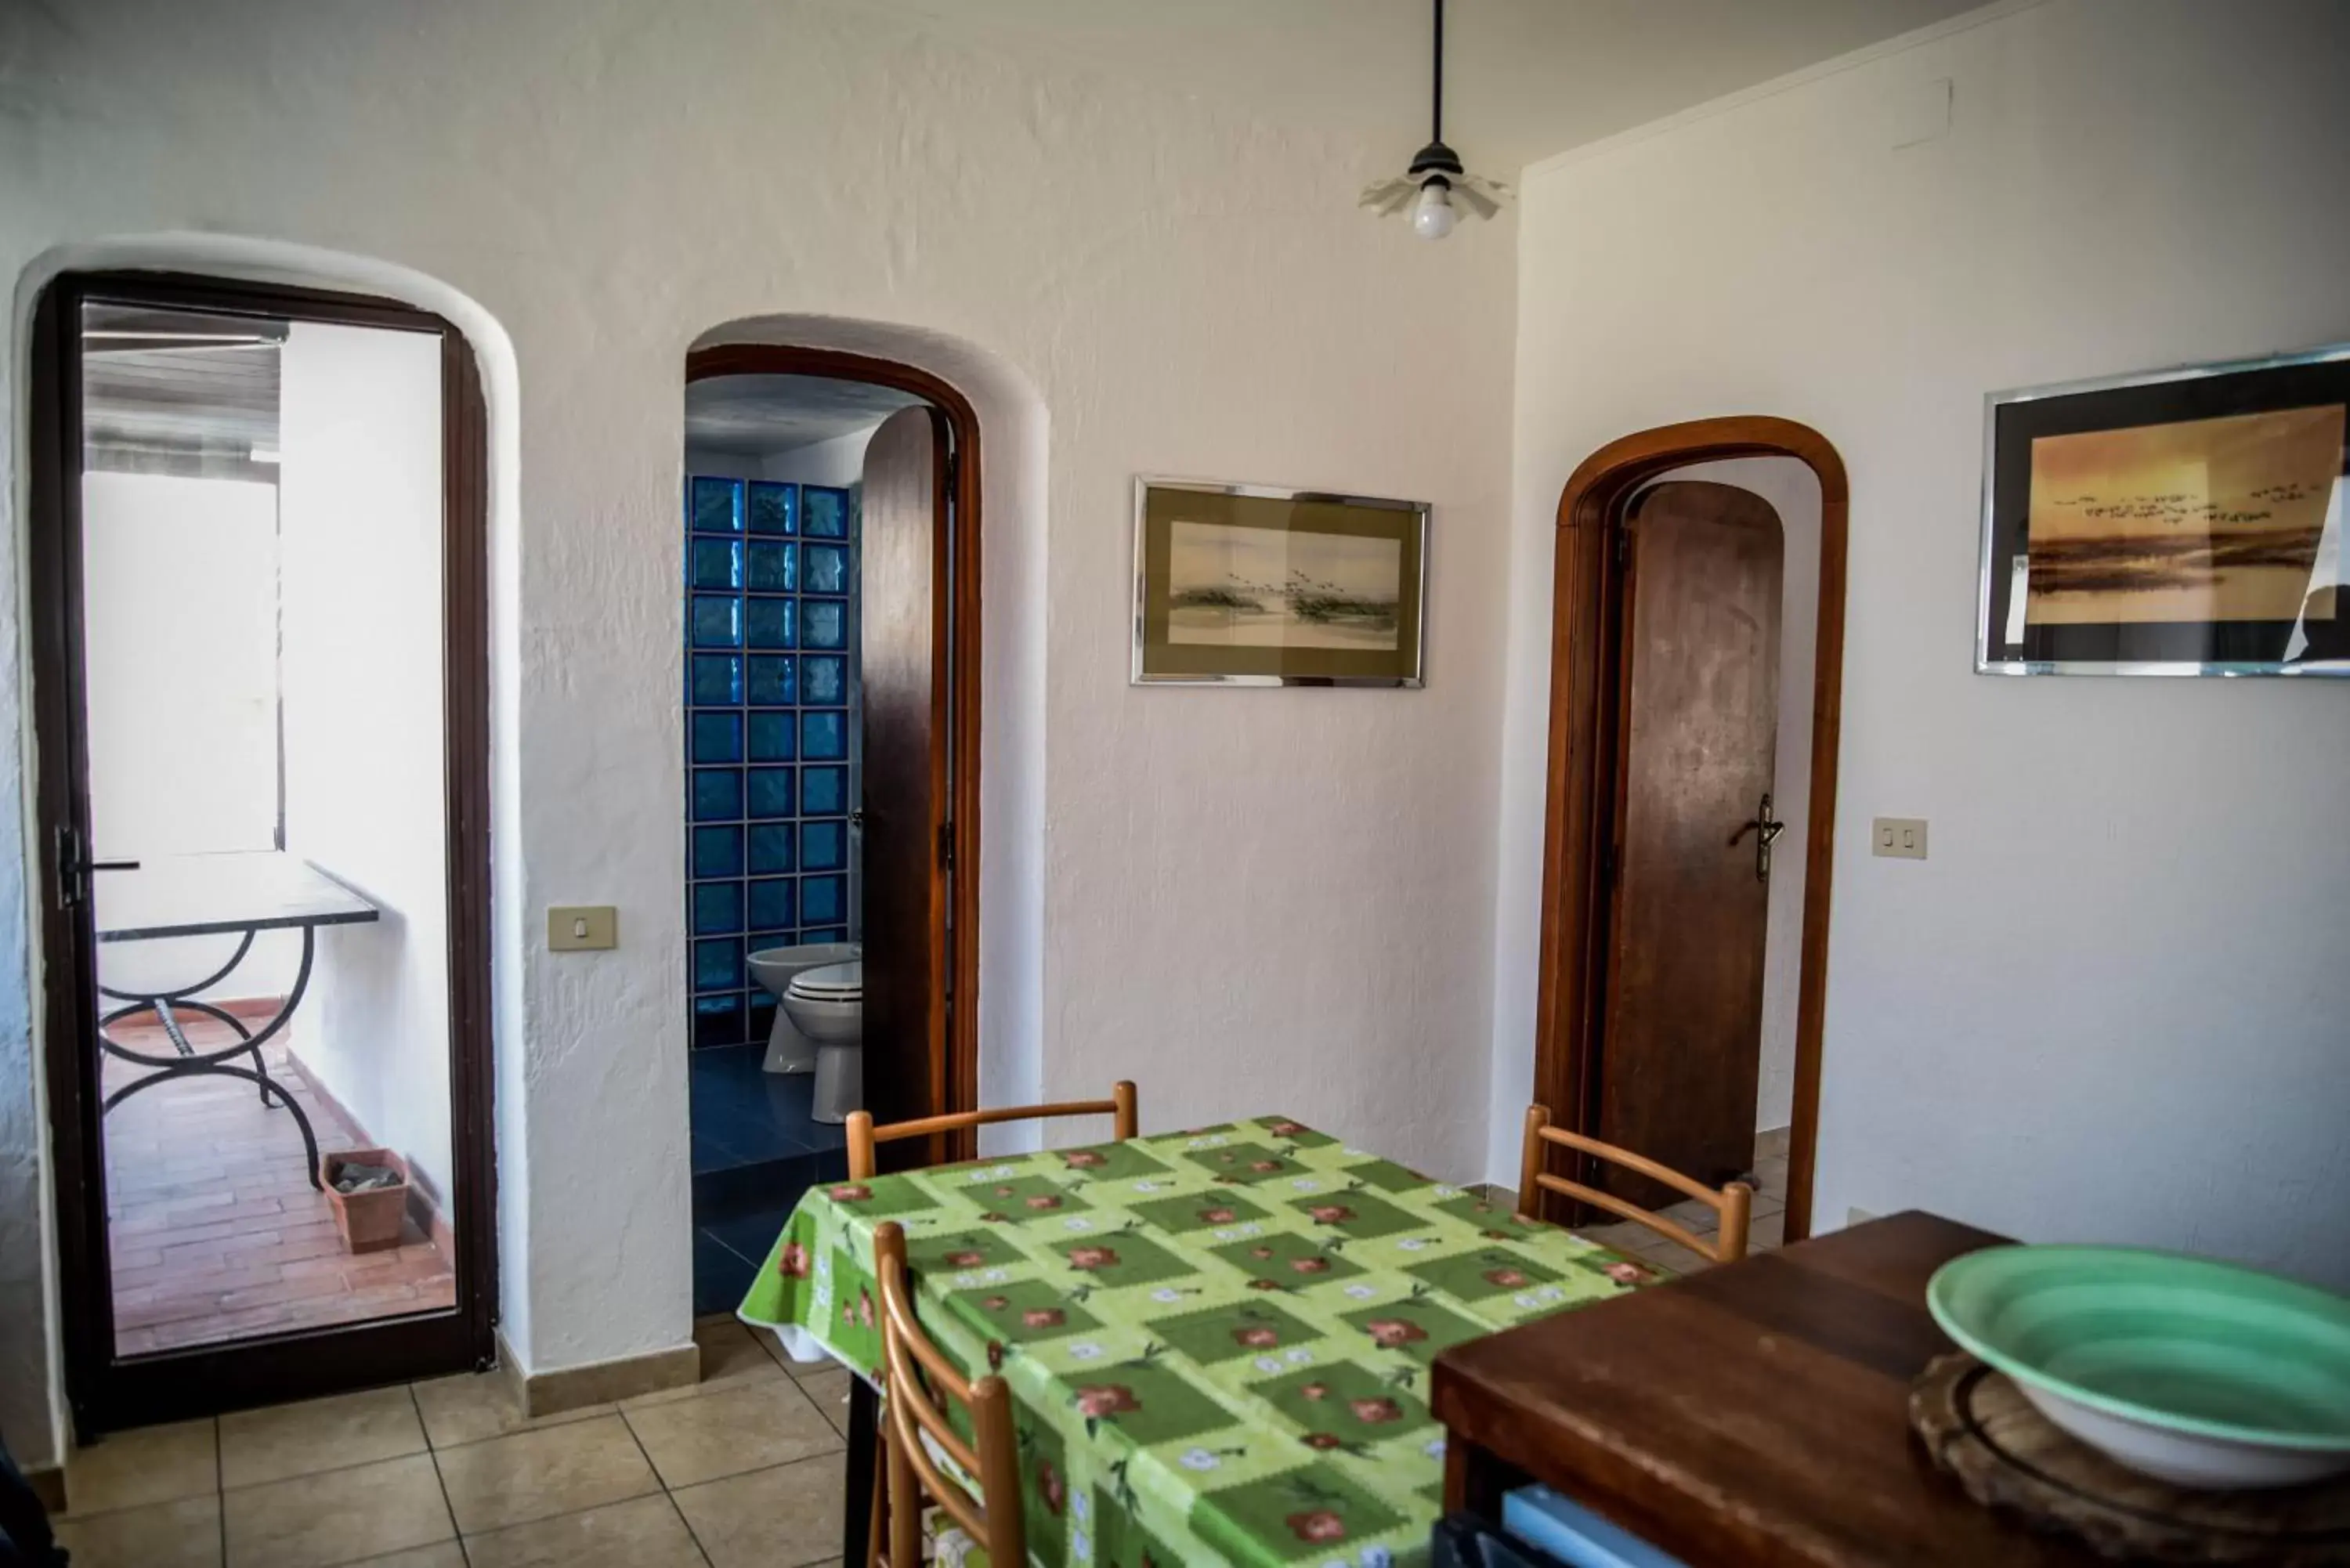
pixel 1751 1414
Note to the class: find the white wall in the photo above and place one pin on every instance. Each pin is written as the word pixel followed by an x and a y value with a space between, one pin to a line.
pixel 2111 1006
pixel 1793 492
pixel 360 483
pixel 840 461
pixel 180 657
pixel 725 464
pixel 1284 893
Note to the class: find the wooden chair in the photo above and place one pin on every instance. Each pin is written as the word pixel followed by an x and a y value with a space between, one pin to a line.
pixel 1734 1203
pixel 863 1136
pixel 911 1367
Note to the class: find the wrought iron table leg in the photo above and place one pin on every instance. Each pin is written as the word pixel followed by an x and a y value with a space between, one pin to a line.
pixel 189 1062
pixel 221 1069
pixel 231 1019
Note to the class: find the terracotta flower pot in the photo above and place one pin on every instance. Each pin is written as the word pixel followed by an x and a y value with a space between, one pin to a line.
pixel 370 1221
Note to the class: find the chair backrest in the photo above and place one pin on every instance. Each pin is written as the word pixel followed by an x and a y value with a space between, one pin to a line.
pixel 863 1136
pixel 911 1368
pixel 1735 1202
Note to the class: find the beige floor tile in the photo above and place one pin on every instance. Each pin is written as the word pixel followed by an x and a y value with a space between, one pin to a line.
pixel 731 1358
pixel 727 1433
pixel 537 1475
pixel 780 1517
pixel 1768 1232
pixel 1771 1176
pixel 1618 1236
pixel 150 1465
pixel 285 1440
pixel 1765 1204
pixel 338 1517
pixel 1694 1215
pixel 1772 1145
pixel 773 1345
pixel 829 1392
pixel 643 1533
pixel 441 1554
pixel 182 1534
pixel 474 1406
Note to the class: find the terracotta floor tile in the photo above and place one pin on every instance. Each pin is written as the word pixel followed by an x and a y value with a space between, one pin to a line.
pixel 211 1210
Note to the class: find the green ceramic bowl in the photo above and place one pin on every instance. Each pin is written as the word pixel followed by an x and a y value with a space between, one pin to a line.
pixel 2199 1372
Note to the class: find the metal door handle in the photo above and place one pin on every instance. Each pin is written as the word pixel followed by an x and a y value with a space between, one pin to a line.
pixel 1766 832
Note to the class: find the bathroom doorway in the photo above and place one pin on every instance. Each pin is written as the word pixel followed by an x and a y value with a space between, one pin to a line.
pixel 823 555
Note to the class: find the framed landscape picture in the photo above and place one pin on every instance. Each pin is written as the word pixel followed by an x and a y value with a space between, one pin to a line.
pixel 1240 585
pixel 2185 523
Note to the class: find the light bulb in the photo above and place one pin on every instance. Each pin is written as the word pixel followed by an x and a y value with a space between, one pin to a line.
pixel 1432 216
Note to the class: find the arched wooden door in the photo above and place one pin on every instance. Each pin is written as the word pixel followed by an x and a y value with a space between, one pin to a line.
pixel 1581 814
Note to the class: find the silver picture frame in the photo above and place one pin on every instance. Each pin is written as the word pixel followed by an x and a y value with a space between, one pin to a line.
pixel 1159 662
pixel 1991 654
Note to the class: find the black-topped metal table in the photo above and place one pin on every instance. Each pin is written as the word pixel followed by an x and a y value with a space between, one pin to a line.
pixel 241 896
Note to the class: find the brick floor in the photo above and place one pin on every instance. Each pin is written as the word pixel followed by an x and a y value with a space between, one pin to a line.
pixel 216 1232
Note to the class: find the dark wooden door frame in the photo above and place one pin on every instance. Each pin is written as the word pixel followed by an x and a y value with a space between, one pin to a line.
pixel 104 1394
pixel 1578 819
pixel 961 1073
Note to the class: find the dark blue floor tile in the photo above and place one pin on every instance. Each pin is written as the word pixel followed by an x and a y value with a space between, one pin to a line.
pixel 722 1277
pixel 755 1149
pixel 750 1236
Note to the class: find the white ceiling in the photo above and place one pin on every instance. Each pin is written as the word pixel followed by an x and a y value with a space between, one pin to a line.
pixel 1524 80
pixel 768 415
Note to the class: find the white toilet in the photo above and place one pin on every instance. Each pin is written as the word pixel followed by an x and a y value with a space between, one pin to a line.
pixel 828 1005
pixel 788 1049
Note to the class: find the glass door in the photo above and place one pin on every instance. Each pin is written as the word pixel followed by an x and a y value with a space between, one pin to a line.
pixel 257 682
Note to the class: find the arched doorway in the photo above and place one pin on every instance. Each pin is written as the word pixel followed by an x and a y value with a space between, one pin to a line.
pixel 952 1068
pixel 1580 811
pixel 288 444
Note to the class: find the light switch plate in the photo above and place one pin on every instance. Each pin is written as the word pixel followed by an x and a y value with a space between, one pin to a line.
pixel 579 927
pixel 1902 837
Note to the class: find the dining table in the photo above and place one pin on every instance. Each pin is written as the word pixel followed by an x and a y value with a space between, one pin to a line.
pixel 1756 1415
pixel 1218 1341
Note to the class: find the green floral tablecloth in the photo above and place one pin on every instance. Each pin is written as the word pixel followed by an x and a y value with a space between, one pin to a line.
pixel 1218 1341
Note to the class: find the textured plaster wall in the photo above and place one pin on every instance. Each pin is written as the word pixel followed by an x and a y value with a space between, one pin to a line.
pixel 2112 1005
pixel 1246 900
pixel 359 525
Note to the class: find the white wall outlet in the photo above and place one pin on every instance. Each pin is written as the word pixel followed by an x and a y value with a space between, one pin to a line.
pixel 582 928
pixel 1902 837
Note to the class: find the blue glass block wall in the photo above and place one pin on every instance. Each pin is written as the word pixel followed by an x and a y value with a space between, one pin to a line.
pixel 771 727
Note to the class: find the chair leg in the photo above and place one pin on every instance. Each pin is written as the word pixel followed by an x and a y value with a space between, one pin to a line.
pixel 880 1493
pixel 905 1511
